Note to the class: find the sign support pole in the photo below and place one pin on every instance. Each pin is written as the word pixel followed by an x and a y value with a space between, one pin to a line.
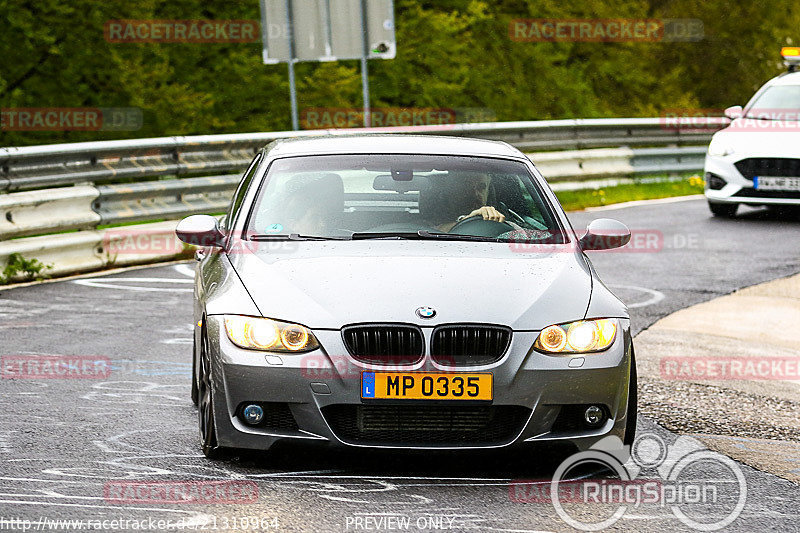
pixel 290 63
pixel 364 71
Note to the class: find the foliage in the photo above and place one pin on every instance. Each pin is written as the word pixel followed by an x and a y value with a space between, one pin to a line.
pixel 19 268
pixel 451 53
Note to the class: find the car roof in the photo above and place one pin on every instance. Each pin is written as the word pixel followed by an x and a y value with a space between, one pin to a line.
pixel 393 143
pixel 787 78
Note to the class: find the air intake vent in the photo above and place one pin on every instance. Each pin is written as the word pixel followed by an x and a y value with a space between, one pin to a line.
pixel 385 344
pixel 469 345
pixel 408 425
pixel 768 166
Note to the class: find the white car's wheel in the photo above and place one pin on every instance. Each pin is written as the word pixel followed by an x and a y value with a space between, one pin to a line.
pixel 723 210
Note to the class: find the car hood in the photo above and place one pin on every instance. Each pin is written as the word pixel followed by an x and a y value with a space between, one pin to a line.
pixel 775 139
pixel 329 284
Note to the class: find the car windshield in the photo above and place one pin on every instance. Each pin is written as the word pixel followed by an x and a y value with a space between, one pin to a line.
pixel 779 102
pixel 401 196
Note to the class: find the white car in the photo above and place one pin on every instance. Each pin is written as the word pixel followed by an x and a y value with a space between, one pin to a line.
pixel 756 159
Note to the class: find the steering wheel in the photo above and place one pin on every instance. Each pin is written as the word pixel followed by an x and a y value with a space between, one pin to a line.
pixel 476 225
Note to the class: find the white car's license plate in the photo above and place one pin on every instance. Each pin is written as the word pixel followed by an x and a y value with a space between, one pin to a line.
pixel 772 183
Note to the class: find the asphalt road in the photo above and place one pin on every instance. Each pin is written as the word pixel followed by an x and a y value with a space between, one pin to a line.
pixel 66 443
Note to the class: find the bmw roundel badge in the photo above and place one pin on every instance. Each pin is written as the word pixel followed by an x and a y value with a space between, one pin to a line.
pixel 426 312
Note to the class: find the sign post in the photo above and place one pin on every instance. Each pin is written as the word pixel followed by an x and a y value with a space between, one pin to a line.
pixel 364 56
pixel 327 30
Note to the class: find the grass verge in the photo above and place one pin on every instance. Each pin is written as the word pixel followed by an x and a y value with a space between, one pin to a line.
pixel 583 198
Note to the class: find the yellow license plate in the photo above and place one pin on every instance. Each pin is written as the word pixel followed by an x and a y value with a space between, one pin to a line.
pixel 425 386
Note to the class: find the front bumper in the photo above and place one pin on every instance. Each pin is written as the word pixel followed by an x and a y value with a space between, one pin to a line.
pixel 534 387
pixel 738 189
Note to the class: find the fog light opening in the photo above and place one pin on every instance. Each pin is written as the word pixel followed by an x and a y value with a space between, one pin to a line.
pixel 253 414
pixel 714 182
pixel 594 416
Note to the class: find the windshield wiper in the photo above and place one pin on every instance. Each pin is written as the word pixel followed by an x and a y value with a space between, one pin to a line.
pixel 385 235
pixel 293 237
pixel 421 235
pixel 455 237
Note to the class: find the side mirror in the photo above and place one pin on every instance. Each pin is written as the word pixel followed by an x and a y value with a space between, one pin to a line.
pixel 200 230
pixel 733 112
pixel 604 234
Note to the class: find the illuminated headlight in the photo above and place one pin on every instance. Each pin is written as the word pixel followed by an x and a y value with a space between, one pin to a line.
pixel 719 148
pixel 583 336
pixel 268 335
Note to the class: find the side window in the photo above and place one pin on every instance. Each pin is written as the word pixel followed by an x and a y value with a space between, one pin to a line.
pixel 241 191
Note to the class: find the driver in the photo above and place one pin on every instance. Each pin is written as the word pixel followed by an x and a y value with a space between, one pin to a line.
pixel 469 197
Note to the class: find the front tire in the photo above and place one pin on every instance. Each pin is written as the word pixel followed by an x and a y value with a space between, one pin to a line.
pixel 723 210
pixel 195 392
pixel 633 405
pixel 205 407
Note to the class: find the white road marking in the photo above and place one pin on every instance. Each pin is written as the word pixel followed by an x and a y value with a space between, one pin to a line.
pixel 111 283
pixel 655 296
pixel 178 341
pixel 185 270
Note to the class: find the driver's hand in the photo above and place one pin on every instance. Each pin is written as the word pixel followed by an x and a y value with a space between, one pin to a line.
pixel 488 213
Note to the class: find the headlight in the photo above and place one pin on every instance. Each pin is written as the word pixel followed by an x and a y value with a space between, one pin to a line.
pixel 583 336
pixel 719 148
pixel 268 335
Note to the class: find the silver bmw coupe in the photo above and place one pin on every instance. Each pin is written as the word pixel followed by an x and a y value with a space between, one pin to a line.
pixel 399 291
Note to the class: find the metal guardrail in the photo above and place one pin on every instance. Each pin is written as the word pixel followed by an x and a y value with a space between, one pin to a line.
pixel 38 167
pixel 79 186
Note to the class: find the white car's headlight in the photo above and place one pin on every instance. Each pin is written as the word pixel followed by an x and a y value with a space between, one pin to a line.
pixel 583 336
pixel 269 335
pixel 719 148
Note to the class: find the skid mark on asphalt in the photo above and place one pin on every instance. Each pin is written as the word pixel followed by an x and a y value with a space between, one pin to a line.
pixel 18 309
pixel 136 392
pixel 5 442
